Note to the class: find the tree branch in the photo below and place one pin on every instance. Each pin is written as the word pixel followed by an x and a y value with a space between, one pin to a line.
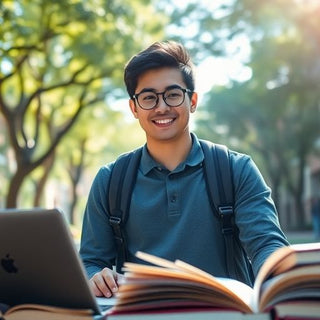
pixel 17 67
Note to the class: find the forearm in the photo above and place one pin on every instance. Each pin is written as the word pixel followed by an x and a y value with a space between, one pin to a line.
pixel 256 215
pixel 97 242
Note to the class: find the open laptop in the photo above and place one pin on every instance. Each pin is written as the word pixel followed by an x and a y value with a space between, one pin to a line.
pixel 39 262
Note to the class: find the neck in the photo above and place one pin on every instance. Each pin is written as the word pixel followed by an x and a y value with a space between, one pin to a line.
pixel 170 153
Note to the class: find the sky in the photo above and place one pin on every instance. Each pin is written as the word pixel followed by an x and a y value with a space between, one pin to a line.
pixel 217 71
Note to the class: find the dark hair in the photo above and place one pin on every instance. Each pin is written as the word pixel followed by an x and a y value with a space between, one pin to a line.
pixel 158 55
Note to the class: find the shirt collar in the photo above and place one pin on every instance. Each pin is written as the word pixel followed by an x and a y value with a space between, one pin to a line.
pixel 194 158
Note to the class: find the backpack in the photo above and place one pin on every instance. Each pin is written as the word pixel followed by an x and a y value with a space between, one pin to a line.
pixel 221 195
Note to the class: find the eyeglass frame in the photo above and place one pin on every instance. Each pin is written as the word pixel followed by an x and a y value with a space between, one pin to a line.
pixel 184 90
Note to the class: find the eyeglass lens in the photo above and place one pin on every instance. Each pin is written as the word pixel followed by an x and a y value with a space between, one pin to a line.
pixel 172 97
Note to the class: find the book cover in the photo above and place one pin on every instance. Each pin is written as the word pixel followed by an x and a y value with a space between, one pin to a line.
pixel 41 312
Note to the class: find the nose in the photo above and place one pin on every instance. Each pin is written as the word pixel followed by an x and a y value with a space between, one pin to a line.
pixel 161 105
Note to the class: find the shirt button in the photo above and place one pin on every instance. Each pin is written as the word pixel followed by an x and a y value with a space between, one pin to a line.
pixel 173 199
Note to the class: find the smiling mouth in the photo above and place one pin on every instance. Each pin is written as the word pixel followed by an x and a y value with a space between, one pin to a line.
pixel 163 121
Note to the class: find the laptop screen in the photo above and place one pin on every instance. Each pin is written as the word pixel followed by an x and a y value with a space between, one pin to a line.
pixel 39 262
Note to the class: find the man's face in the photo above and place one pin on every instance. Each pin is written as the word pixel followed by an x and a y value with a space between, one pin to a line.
pixel 163 123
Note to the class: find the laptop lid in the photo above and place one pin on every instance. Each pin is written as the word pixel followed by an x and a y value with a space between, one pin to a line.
pixel 39 262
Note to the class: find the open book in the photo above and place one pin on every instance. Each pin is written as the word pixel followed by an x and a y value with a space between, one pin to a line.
pixel 289 279
pixel 43 312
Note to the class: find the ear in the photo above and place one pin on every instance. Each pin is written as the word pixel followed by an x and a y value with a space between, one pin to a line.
pixel 194 102
pixel 133 108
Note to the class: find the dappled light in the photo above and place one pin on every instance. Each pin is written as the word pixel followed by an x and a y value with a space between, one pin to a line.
pixel 64 111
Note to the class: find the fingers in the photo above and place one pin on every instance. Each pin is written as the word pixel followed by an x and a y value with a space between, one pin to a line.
pixel 105 283
pixel 119 278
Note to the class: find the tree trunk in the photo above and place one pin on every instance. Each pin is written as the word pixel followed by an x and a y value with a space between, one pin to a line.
pixel 15 185
pixel 40 185
pixel 301 221
pixel 75 172
pixel 74 201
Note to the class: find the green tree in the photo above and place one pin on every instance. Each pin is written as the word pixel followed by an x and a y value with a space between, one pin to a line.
pixel 277 111
pixel 57 59
pixel 98 137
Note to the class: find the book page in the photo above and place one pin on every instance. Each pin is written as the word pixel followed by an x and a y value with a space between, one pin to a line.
pixel 155 260
pixel 181 277
pixel 302 254
pixel 232 286
pixel 40 312
pixel 242 290
pixel 304 281
pixel 283 260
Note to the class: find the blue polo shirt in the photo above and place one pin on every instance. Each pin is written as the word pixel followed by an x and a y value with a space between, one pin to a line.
pixel 170 216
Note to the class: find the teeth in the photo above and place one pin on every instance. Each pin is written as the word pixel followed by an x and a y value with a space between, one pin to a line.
pixel 164 121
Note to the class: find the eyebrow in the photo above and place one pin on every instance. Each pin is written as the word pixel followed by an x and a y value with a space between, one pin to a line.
pixel 172 86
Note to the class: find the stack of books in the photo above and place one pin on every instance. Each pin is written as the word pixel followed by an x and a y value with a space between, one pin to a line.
pixel 286 287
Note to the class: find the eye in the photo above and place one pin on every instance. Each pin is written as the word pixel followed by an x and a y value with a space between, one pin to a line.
pixel 173 94
pixel 148 96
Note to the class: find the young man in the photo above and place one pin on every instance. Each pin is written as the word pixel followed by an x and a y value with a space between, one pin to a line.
pixel 170 214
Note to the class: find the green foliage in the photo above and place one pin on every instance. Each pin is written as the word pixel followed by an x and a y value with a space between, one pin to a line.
pixel 57 59
pixel 275 115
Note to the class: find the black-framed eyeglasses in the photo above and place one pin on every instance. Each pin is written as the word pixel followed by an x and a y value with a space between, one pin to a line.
pixel 173 97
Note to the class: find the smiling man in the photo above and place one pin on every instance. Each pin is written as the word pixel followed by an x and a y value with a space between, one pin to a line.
pixel 170 213
pixel 162 106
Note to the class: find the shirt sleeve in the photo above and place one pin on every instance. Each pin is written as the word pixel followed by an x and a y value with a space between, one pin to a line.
pixel 255 212
pixel 97 247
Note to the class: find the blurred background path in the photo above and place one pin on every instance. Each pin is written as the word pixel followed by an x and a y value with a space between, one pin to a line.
pixel 301 237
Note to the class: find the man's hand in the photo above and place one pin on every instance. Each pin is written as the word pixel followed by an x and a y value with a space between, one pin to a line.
pixel 105 283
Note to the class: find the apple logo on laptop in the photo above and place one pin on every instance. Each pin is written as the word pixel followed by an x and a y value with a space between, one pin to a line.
pixel 8 264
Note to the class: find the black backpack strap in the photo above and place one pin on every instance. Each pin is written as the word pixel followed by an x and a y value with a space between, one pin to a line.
pixel 219 182
pixel 121 183
pixel 218 176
